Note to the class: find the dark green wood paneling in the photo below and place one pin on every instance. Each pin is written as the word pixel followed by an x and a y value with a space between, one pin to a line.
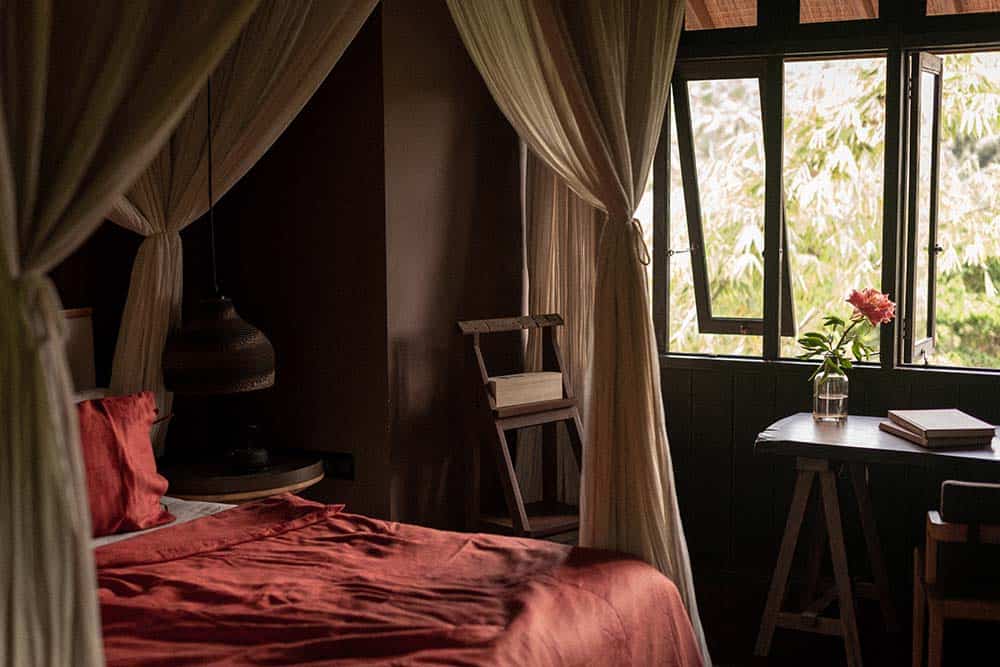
pixel 754 531
pixel 677 395
pixel 710 493
pixel 734 503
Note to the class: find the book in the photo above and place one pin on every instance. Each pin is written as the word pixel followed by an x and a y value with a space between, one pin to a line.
pixel 932 424
pixel 523 388
pixel 967 442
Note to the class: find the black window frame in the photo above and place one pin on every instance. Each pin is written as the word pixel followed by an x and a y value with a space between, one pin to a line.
pixel 917 345
pixel 739 68
pixel 901 30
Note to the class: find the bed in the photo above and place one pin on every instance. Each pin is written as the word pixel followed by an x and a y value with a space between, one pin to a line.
pixel 286 581
pixel 289 581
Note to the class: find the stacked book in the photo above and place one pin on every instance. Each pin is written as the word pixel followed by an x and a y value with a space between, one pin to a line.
pixel 523 388
pixel 939 429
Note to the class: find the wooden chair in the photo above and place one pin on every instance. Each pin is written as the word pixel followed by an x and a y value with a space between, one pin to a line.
pixel 953 578
pixel 548 518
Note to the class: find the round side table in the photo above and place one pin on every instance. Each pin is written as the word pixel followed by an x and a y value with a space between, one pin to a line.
pixel 217 482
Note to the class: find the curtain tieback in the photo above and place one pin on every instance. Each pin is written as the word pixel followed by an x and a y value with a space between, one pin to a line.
pixel 641 249
pixel 165 234
pixel 41 308
pixel 638 242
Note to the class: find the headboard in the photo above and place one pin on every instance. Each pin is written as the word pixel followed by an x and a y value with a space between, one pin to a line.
pixel 80 348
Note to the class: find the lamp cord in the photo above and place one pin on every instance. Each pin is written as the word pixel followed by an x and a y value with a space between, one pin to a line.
pixel 211 200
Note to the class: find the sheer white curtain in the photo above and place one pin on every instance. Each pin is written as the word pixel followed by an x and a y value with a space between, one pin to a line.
pixel 88 94
pixel 561 236
pixel 585 85
pixel 279 60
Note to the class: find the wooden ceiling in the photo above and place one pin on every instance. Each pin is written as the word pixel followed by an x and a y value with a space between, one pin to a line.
pixel 938 7
pixel 825 11
pixel 710 14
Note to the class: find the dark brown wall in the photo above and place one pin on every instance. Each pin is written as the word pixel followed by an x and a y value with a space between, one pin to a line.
pixel 453 246
pixel 303 243
pixel 97 276
pixel 388 210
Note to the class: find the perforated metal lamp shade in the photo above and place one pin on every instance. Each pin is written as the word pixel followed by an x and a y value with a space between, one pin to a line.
pixel 217 352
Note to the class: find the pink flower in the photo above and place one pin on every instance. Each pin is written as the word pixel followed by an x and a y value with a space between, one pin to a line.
pixel 872 304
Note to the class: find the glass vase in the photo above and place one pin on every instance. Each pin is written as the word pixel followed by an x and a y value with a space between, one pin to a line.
pixel 830 397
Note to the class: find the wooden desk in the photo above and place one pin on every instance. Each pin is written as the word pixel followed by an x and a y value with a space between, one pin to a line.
pixel 819 449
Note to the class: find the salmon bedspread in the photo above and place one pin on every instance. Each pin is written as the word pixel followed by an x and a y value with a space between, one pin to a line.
pixel 286 581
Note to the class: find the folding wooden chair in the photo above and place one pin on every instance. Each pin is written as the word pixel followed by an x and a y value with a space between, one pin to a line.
pixel 549 517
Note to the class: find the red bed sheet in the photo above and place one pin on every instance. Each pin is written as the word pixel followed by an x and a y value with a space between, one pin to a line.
pixel 286 581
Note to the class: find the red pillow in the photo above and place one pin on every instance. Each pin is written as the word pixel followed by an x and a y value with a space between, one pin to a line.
pixel 122 483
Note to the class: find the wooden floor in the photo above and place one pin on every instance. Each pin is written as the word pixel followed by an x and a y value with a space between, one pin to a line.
pixel 731 609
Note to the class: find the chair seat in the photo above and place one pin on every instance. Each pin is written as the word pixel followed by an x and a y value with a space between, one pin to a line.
pixel 965 593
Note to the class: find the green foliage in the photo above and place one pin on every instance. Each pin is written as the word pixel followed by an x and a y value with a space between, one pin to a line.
pixel 834 147
pixel 970 334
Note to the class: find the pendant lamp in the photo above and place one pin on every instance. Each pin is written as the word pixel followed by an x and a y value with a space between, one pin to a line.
pixel 217 352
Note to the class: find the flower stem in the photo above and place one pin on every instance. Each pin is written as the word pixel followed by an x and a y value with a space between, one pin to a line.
pixel 843 336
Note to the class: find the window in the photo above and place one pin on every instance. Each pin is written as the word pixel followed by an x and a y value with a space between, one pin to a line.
pixel 833 147
pixel 924 93
pixel 684 335
pixel 833 166
pixel 865 145
pixel 717 215
pixel 952 307
pixel 721 134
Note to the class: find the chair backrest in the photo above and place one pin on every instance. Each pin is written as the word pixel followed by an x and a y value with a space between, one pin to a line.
pixel 969 517
pixel 503 324
pixel 970 502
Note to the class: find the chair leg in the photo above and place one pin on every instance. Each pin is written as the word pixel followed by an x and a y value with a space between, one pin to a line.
pixel 919 609
pixel 935 634
pixel 511 489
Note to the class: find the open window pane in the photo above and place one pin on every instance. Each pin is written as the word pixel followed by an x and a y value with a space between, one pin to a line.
pixel 684 334
pixel 714 14
pixel 919 328
pixel 729 161
pixel 923 91
pixel 833 175
pixel 827 11
pixel 944 7
pixel 966 297
pixel 720 143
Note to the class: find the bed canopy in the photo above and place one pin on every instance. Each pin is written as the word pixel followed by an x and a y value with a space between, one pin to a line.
pixel 585 86
pixel 88 94
pixel 88 101
pixel 259 87
pixel 81 140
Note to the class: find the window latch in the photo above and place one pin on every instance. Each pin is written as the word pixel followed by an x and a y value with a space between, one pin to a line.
pixel 671 252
